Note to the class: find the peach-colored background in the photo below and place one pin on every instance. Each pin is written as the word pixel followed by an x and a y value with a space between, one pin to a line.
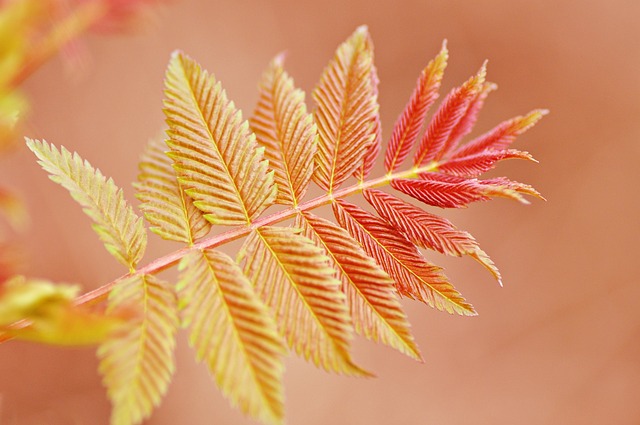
pixel 557 345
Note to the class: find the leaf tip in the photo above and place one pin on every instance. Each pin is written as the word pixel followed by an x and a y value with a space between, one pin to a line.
pixel 279 59
pixel 362 29
pixel 177 53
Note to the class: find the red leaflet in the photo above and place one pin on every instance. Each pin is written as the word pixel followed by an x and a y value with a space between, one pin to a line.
pixel 375 310
pixel 501 136
pixel 447 118
pixel 476 164
pixel 422 228
pixel 447 191
pixel 408 125
pixel 428 230
pixel 466 123
pixel 400 258
pixel 517 187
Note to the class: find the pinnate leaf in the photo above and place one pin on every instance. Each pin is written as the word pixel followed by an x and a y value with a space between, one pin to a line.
pixel 409 123
pixel 115 222
pixel 292 275
pixel 428 230
pixel 137 366
pixel 287 132
pixel 346 111
pixel 374 308
pixel 414 276
pixel 164 203
pixel 233 332
pixel 216 155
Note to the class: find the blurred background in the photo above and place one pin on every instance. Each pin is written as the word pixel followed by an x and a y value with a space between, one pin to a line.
pixel 560 343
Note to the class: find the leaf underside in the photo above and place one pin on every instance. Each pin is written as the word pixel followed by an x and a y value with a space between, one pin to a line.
pixel 233 333
pixel 164 203
pixel 293 277
pixel 137 366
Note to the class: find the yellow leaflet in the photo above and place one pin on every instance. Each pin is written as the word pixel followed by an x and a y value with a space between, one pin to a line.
pixel 164 203
pixel 283 126
pixel 346 99
pixel 115 222
pixel 233 332
pixel 137 365
pixel 216 156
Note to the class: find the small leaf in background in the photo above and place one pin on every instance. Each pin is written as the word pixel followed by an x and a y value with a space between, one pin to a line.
pixel 13 106
pixel 51 317
pixel 13 209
